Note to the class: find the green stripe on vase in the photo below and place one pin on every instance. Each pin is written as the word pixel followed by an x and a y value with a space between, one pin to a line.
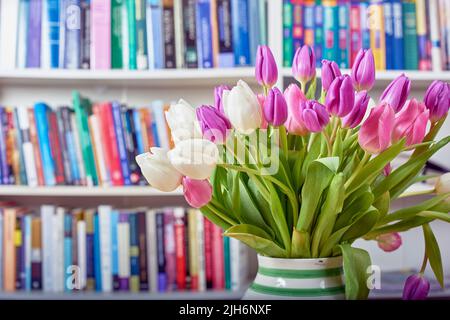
pixel 304 292
pixel 300 274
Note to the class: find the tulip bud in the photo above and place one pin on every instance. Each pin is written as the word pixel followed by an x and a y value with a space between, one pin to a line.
pixel 375 133
pixel 443 184
pixel 355 116
pixel 275 108
pixel 411 122
pixel 214 125
pixel 197 192
pixel 158 171
pixel 304 64
pixel 437 99
pixel 340 96
pixel 195 158
pixel 265 68
pixel 363 70
pixel 389 241
pixel 294 123
pixel 242 108
pixel 218 92
pixel 397 92
pixel 416 287
pixel 182 121
pixel 314 115
pixel 330 71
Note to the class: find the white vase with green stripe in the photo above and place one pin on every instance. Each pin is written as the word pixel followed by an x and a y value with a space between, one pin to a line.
pixel 277 278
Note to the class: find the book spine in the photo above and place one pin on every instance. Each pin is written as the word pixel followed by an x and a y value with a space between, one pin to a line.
pixel 193 250
pixel 187 244
pixel 36 254
pixel 169 251
pixel 180 248
pixel 53 23
pixel 297 24
pixel 343 33
pixel 161 125
pixel 34 34
pixel 132 45
pixel 2 262
pixel 355 31
pixel 68 261
pixel 11 152
pixel 123 235
pixel 389 33
pixel 42 127
pixel 36 150
pixel 162 278
pixel 225 34
pixel 189 33
pixel 78 150
pixel 377 34
pixel 208 253
pixel 9 252
pixel 58 250
pixel 82 253
pixel 318 33
pixel 141 36
pixel 134 253
pixel 239 18
pixel 288 48
pixel 56 148
pixel 154 34
pixel 227 262
pixel 45 37
pixel 421 25
pixel 254 34
pixel 90 268
pixel 101 34
pixel 397 41
pixel 218 278
pixel 62 34
pixel 94 126
pixel 19 248
pixel 410 56
pixel 143 260
pixel 308 23
pixel 97 255
pixel 72 25
pixel 200 235
pixel 70 141
pixel 331 31
pixel 106 253
pixel 47 212
pixel 204 39
pixel 365 31
pixel 116 34
pixel 27 251
pixel 63 145
pixel 436 58
pixel 9 13
pixel 121 143
pixel 169 34
pixel 22 34
pixel 442 30
pixel 138 130
pixel 152 250
pixel 447 31
pixel 131 144
pixel 114 250
pixel 85 34
pixel 179 34
pixel 4 171
pixel 239 264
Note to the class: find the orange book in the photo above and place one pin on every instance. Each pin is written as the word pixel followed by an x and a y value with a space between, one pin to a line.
pixel 36 256
pixel 9 249
pixel 377 35
pixel 171 143
pixel 35 142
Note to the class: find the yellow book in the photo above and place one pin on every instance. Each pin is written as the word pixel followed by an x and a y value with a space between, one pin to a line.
pixel 377 35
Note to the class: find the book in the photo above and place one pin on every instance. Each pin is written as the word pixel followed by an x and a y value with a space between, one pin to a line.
pixel 57 152
pixel 297 24
pixel 343 12
pixel 152 256
pixel 141 35
pixel 95 131
pixel 254 32
pixel 168 34
pixel 225 34
pixel 97 264
pixel 22 33
pixel 410 54
pixel 1 249
pixel 116 34
pixel 318 32
pixel 179 229
pixel 397 41
pixel 33 59
pixel 47 212
pixel 143 258
pixel 204 37
pixel 134 253
pixel 68 246
pixel 132 42
pixel 239 22
pixel 179 33
pixel 377 34
pixel 105 225
pixel 365 24
pixel 63 145
pixel 120 139
pixel 331 32
pixel 421 25
pixel 389 33
pixel 9 15
pixel 160 254
pixel 218 268
pixel 36 254
pixel 355 30
pixel 72 25
pixel 85 34
pixel 288 47
pixel 50 34
pixel 101 34
pixel 154 35
pixel 436 57
pixel 308 22
pixel 123 235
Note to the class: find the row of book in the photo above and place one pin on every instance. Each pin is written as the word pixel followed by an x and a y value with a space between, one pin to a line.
pixel 56 249
pixel 86 144
pixel 130 34
pixel 403 34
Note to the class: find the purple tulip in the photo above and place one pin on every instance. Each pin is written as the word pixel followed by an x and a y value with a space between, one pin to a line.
pixel 363 70
pixel 416 287
pixel 330 71
pixel 358 112
pixel 397 92
pixel 411 122
pixel 275 108
pixel 197 192
pixel 214 125
pixel 389 242
pixel 218 92
pixel 304 64
pixel 340 96
pixel 294 123
pixel 265 68
pixel 314 115
pixel 375 133
pixel 437 99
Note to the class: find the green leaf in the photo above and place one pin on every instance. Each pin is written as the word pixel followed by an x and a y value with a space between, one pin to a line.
pixel 353 209
pixel 297 170
pixel 401 226
pixel 301 244
pixel 211 216
pixel 329 244
pixel 311 93
pixel 257 239
pixel 362 225
pixel 278 214
pixel 313 153
pixel 433 253
pixel 356 264
pixel 383 204
pixel 320 173
pixel 338 145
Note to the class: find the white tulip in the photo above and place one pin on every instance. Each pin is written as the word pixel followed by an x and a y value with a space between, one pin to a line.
pixel 182 121
pixel 158 171
pixel 443 184
pixel 242 108
pixel 195 158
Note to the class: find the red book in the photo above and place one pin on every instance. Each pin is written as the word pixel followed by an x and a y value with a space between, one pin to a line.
pixel 56 148
pixel 111 151
pixel 35 142
pixel 218 261
pixel 207 228
pixel 180 247
pixel 355 32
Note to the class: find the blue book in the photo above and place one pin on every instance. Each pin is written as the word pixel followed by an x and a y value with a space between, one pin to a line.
pixel 154 34
pixel 4 170
pixel 138 129
pixel 156 137
pixel 53 15
pixel 27 243
pixel 397 40
pixel 204 36
pixel 34 34
pixel 389 33
pixel 48 165
pixel 318 34
pixel 120 137
pixel 72 14
pixel 344 32
pixel 254 30
pixel 159 127
pixel 22 34
pixel 67 248
pixel 134 253
pixel 239 22
pixel 97 255
pixel 226 54
pixel 115 250
pixel 160 253
pixel 331 32
pixel 365 31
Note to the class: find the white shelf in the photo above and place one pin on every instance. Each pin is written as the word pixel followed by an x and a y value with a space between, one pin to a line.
pixel 133 78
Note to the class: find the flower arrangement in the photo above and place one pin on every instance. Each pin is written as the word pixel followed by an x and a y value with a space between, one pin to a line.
pixel 297 175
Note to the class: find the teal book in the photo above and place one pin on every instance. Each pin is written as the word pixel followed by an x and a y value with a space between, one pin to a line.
pixel 141 35
pixel 331 30
pixel 116 34
pixel 288 45
pixel 97 255
pixel 411 55
pixel 41 111
pixel 132 45
pixel 227 262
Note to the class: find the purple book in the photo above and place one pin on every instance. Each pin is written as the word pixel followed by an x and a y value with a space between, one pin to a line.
pixel 124 282
pixel 169 251
pixel 34 35
pixel 162 277
pixel 4 169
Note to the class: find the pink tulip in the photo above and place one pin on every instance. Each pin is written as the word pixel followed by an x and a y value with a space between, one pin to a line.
pixel 340 96
pixel 355 116
pixel 396 93
pixel 275 108
pixel 411 122
pixel 304 64
pixel 437 99
pixel 363 70
pixel 265 67
pixel 330 71
pixel 314 115
pixel 375 133
pixel 389 241
pixel 218 92
pixel 197 192
pixel 294 96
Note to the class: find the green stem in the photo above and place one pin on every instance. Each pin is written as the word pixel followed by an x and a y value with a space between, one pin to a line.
pixel 360 166
pixel 424 264
pixel 416 193
pixel 283 140
pixel 336 126
pixel 328 140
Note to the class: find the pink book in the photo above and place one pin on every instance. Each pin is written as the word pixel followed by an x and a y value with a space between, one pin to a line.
pixel 101 34
pixel 218 262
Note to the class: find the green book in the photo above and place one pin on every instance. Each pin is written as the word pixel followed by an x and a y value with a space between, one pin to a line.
pixel 227 262
pixel 83 109
pixel 141 35
pixel 288 45
pixel 411 55
pixel 131 10
pixel 262 8
pixel 116 34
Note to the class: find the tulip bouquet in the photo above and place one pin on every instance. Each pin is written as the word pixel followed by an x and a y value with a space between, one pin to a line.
pixel 305 172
